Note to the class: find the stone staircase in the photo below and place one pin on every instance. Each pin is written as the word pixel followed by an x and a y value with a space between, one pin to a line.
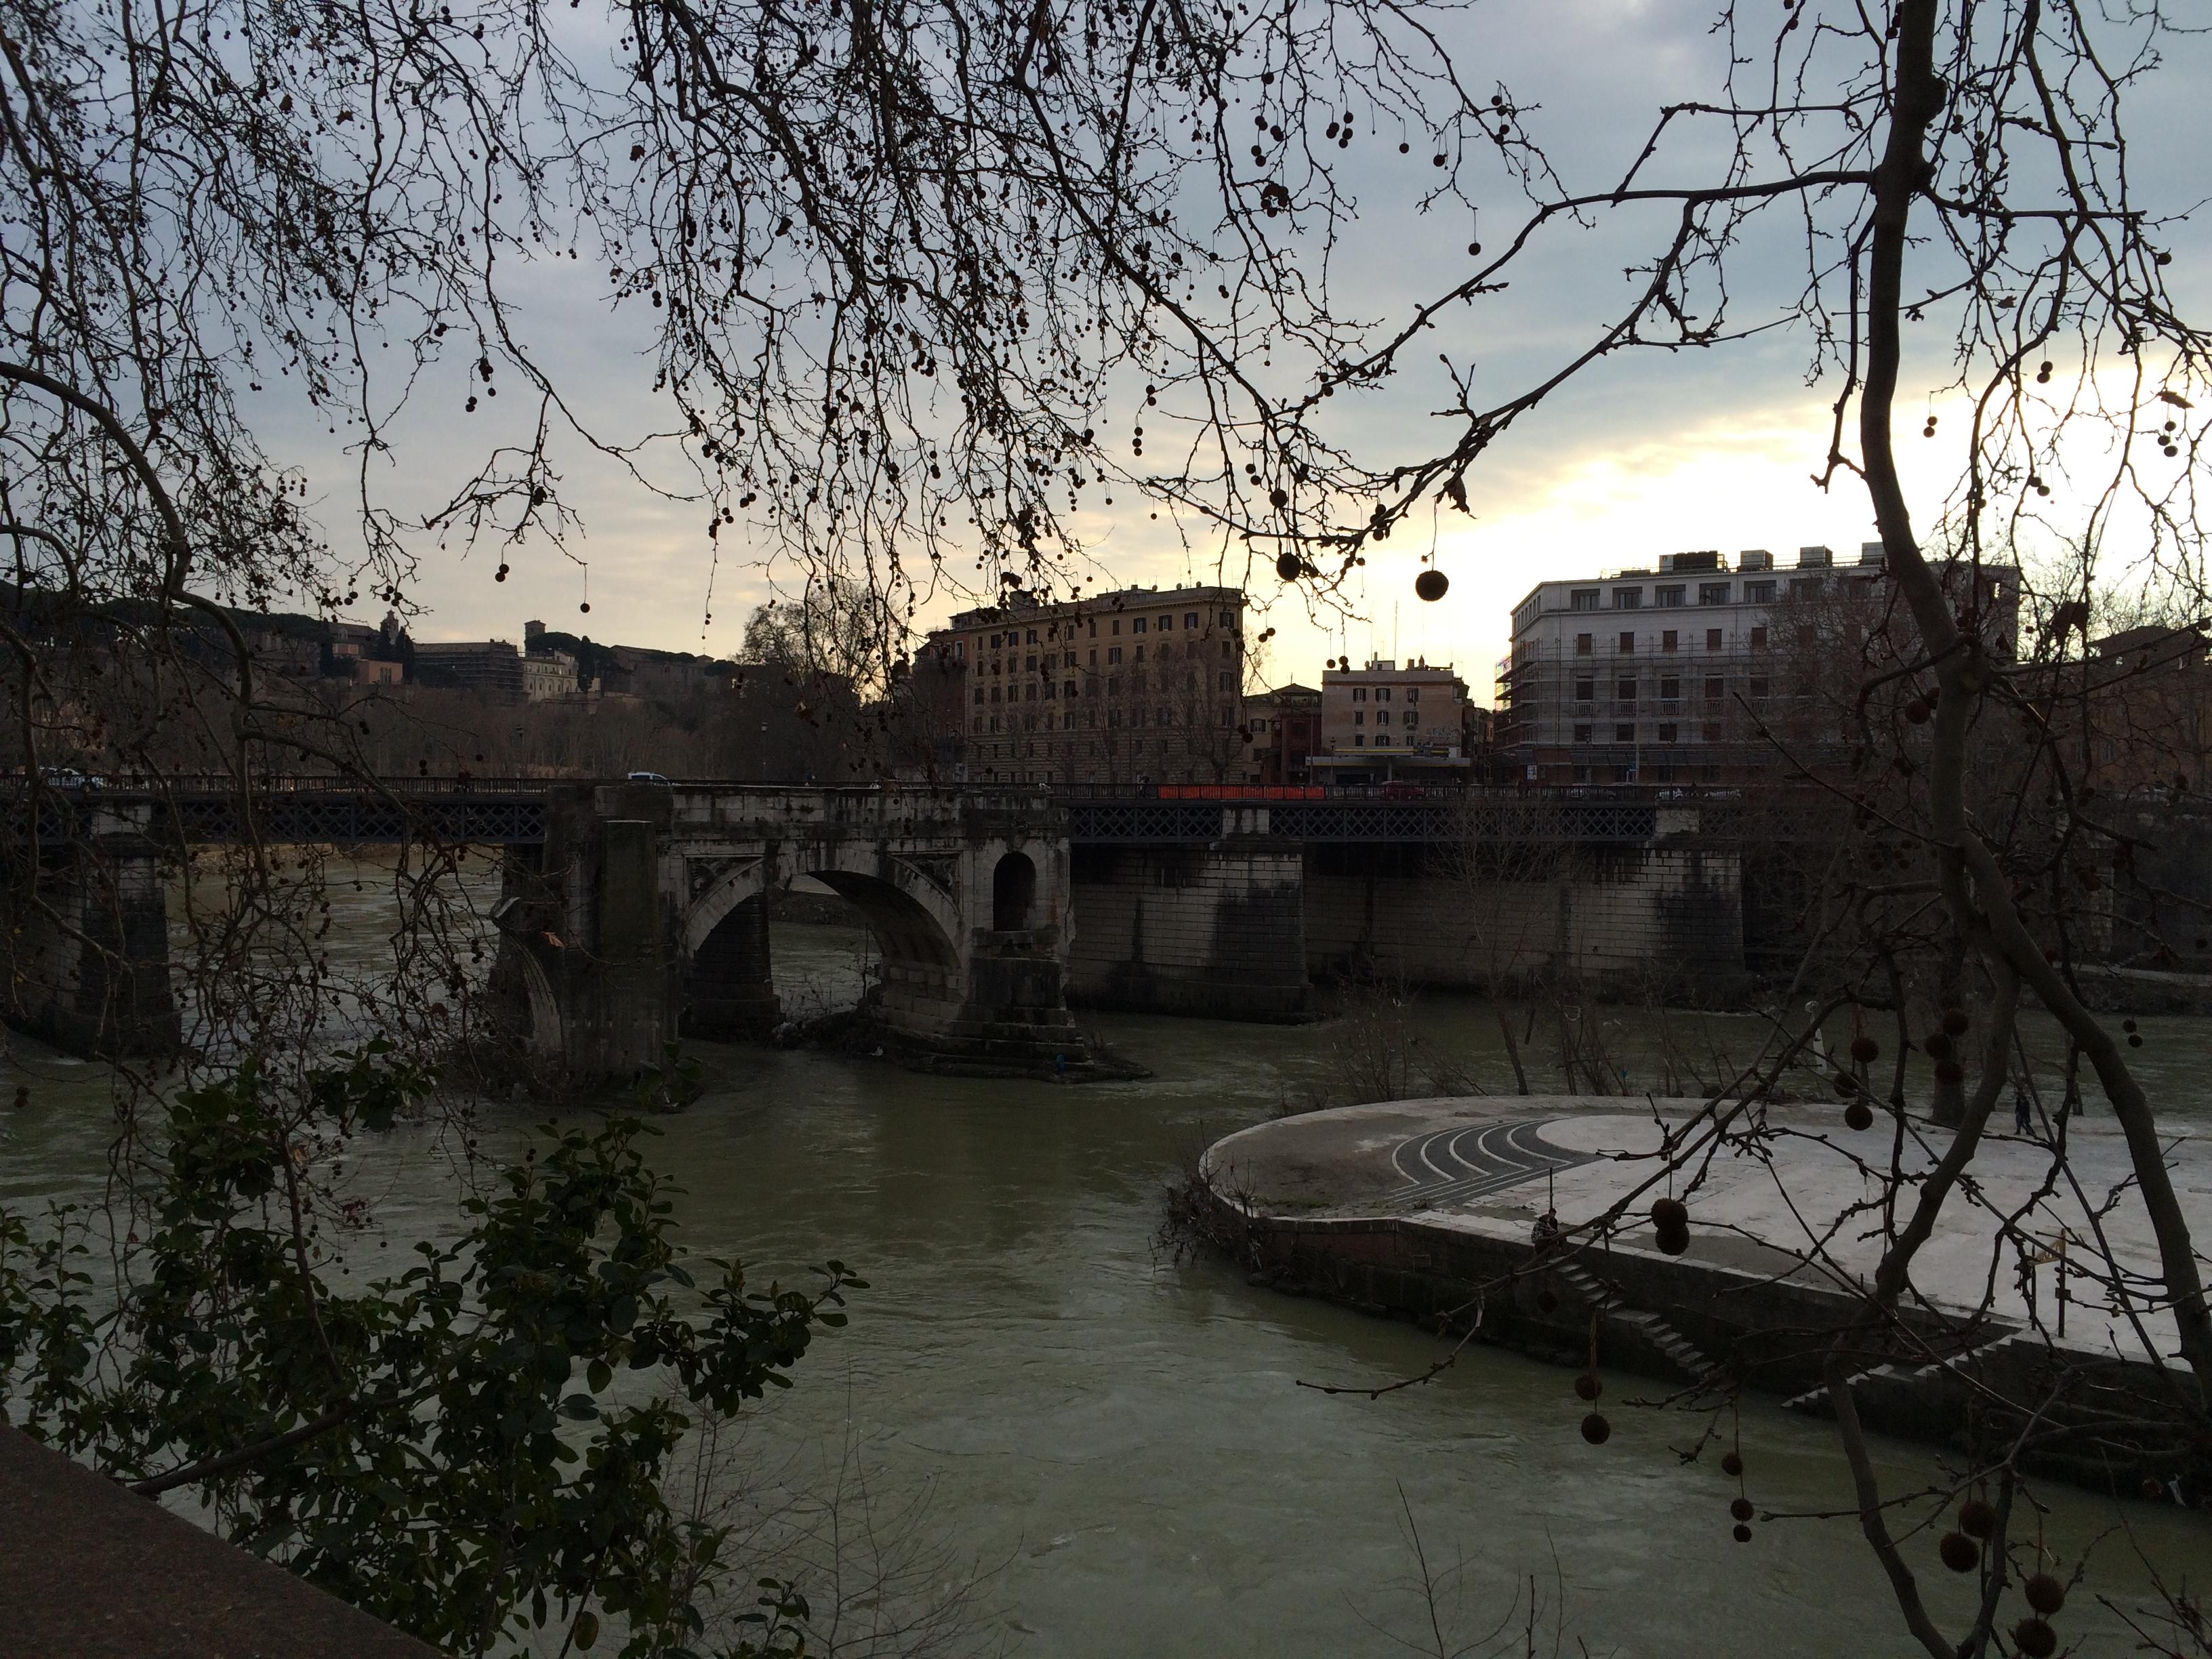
pixel 1656 1339
pixel 1918 1400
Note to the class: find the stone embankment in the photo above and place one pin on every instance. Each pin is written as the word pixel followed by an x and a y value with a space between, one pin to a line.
pixel 1425 1210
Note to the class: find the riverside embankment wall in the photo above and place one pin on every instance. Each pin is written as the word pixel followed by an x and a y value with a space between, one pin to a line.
pixel 1767 1334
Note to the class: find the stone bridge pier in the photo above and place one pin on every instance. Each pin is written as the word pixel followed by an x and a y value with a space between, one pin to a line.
pixel 643 916
pixel 87 935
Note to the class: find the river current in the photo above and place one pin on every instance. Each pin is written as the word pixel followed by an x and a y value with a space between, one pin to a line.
pixel 1115 1448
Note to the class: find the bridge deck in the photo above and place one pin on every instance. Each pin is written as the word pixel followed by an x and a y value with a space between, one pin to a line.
pixel 509 812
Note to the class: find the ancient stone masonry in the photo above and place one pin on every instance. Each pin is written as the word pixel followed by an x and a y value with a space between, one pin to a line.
pixel 1216 929
pixel 1238 926
pixel 643 916
pixel 87 933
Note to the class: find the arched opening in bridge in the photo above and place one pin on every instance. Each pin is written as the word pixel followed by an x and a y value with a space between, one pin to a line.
pixel 898 957
pixel 1013 893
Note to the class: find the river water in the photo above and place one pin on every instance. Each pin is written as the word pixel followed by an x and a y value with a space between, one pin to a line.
pixel 1116 1448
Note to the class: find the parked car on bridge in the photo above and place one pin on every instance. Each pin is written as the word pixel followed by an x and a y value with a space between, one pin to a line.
pixel 67 777
pixel 652 778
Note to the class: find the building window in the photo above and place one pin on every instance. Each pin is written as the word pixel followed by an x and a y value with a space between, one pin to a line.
pixel 1167 625
pixel 1804 587
pixel 1117 624
pixel 1359 694
pixel 1382 694
pixel 1712 593
pixel 1668 641
pixel 1667 597
pixel 1225 679
pixel 1714 690
pixel 1412 693
pixel 1758 691
pixel 979 694
pixel 1190 619
pixel 1031 664
pixel 1583 644
pixel 1136 624
pixel 1627 690
pixel 1582 599
pixel 1360 740
pixel 1624 734
pixel 1628 598
pixel 1759 592
pixel 1759 639
pixel 1712 732
pixel 1068 689
pixel 1112 655
pixel 1628 642
pixel 1712 639
pixel 1032 637
pixel 1360 717
pixel 1666 733
pixel 1582 734
pixel 1408 718
pixel 1585 688
pixel 1670 687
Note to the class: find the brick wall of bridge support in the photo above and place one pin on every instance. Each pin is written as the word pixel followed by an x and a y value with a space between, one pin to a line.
pixel 1626 921
pixel 1213 929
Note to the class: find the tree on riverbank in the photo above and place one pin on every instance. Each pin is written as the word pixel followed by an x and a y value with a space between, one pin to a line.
pixel 477 1447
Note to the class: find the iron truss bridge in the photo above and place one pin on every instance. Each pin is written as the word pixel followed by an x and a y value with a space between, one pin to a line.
pixel 196 811
pixel 1446 820
pixel 509 811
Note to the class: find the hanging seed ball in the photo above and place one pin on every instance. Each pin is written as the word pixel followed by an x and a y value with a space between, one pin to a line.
pixel 1949 1071
pixel 1937 1045
pixel 1674 1241
pixel 1960 1553
pixel 1846 1084
pixel 1742 1534
pixel 1740 1509
pixel 1596 1429
pixel 1977 1519
pixel 2035 1638
pixel 585 607
pixel 1586 1386
pixel 1286 566
pixel 1857 1116
pixel 2134 1040
pixel 1917 712
pixel 22 1096
pixel 1955 1022
pixel 1547 1300
pixel 2044 1594
pixel 1865 1050
pixel 1430 584
pixel 1732 1464
pixel 1670 1213
pixel 2127 1025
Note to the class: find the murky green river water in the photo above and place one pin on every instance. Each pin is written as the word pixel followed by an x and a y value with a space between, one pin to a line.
pixel 1119 1444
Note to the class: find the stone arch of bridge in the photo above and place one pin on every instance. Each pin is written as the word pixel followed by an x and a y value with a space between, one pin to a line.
pixel 917 923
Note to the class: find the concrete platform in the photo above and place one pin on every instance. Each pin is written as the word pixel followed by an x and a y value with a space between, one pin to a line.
pixel 1481 1167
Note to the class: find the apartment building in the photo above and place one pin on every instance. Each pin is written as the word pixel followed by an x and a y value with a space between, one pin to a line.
pixel 1280 730
pixel 1696 672
pixel 1384 722
pixel 1140 685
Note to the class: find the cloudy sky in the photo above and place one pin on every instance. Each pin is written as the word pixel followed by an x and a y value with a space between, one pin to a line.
pixel 1647 453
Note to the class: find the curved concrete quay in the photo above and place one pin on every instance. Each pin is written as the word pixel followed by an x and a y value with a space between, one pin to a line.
pixel 1425 1209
